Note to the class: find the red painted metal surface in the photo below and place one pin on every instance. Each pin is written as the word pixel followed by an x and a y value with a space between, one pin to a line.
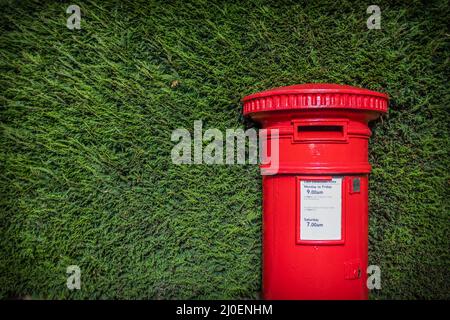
pixel 323 135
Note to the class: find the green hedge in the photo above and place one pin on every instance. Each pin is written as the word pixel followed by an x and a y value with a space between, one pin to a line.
pixel 87 115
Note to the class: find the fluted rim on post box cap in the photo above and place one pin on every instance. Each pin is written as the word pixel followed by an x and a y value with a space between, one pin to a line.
pixel 315 96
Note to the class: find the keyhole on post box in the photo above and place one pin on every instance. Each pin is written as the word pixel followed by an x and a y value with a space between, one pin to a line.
pixel 352 270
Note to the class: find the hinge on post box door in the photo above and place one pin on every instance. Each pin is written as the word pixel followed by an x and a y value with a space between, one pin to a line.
pixel 352 270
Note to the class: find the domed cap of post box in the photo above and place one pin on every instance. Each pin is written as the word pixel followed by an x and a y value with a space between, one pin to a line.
pixel 315 96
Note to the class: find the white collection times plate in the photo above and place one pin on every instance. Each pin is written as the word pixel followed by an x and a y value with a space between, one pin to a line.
pixel 321 209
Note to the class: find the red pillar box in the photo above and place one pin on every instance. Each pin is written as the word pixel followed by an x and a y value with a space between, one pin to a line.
pixel 315 221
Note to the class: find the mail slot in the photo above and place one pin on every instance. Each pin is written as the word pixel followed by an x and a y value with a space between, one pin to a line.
pixel 315 206
pixel 308 131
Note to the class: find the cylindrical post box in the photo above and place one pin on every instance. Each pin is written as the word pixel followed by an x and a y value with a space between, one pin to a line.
pixel 315 219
